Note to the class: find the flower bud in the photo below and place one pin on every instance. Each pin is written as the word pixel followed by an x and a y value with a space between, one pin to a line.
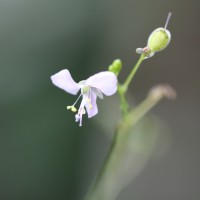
pixel 158 40
pixel 115 67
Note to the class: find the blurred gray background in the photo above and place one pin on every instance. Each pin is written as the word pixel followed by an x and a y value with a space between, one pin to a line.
pixel 43 152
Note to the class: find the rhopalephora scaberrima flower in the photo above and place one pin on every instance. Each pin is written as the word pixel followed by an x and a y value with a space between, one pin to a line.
pixel 91 88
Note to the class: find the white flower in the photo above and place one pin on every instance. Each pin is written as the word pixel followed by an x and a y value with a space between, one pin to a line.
pixel 96 85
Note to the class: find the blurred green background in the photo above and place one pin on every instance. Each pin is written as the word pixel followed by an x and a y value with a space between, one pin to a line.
pixel 44 154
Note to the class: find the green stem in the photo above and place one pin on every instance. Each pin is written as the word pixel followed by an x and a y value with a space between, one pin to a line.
pixel 138 112
pixel 133 72
pixel 123 103
pixel 122 88
pixel 114 174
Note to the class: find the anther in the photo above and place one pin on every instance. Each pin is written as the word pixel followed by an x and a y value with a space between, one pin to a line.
pixel 72 108
pixel 69 107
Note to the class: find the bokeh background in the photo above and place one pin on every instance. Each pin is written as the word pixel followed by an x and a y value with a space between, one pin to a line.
pixel 44 154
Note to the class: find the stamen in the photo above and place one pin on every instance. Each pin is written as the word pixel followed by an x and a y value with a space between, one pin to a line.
pixel 77 117
pixel 77 99
pixel 72 108
pixel 81 111
pixel 89 102
pixel 80 124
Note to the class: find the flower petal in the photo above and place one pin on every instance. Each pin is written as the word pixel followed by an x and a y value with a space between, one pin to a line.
pixel 97 92
pixel 105 81
pixel 92 111
pixel 64 81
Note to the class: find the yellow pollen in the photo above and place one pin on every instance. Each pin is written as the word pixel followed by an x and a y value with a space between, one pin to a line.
pixel 69 107
pixel 72 108
pixel 89 102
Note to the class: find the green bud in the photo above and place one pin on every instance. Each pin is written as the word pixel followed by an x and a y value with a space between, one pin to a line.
pixel 159 39
pixel 115 67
